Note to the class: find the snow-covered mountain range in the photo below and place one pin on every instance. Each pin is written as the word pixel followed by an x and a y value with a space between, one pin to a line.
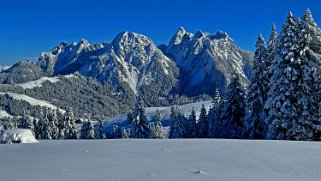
pixel 132 65
pixel 207 61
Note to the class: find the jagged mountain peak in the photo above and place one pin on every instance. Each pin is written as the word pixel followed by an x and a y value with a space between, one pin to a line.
pixel 178 36
pixel 130 38
pixel 221 35
pixel 199 34
pixel 207 61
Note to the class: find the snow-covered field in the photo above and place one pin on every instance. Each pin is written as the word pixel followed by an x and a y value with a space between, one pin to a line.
pixel 38 83
pixel 183 160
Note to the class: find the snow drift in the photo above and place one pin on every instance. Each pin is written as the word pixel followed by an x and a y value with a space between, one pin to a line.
pixel 17 136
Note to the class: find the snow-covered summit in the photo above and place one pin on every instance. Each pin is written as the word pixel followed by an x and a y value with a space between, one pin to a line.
pixel 131 38
pixel 179 35
pixel 130 61
pixel 207 61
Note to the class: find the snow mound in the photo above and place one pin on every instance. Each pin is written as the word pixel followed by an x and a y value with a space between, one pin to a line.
pixel 17 136
pixel 38 83
pixel 200 172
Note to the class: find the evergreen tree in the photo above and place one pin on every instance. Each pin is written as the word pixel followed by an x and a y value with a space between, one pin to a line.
pixel 214 115
pixel 141 124
pixel 116 132
pixel 313 53
pixel 100 133
pixel 191 125
pixel 231 120
pixel 87 130
pixel 314 31
pixel 70 125
pixel 53 123
pixel 124 134
pixel 217 101
pixel 178 124
pixel 61 126
pixel 271 46
pixel 291 101
pixel 46 132
pixel 159 131
pixel 202 124
pixel 255 127
pixel 151 128
pixel 173 133
pixel 158 115
pixel 182 126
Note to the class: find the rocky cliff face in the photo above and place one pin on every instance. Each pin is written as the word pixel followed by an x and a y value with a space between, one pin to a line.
pixel 207 61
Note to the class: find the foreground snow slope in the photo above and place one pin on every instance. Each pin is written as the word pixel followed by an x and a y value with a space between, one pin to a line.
pixel 149 160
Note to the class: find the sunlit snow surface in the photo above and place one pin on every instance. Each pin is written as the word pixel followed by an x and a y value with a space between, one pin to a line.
pixel 18 136
pixel 32 101
pixel 38 83
pixel 166 160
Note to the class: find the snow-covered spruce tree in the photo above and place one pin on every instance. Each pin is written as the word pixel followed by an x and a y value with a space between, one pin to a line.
pixel 271 50
pixel 100 132
pixel 255 127
pixel 46 132
pixel 124 134
pixel 314 32
pixel 141 123
pixel 70 125
pixel 158 115
pixel 313 53
pixel 202 124
pixel 231 120
pixel 87 130
pixel 291 102
pixel 116 132
pixel 271 46
pixel 53 123
pixel 151 128
pixel 192 125
pixel 178 124
pixel 173 132
pixel 182 125
pixel 159 131
pixel 61 126
pixel 90 131
pixel 38 127
pixel 214 115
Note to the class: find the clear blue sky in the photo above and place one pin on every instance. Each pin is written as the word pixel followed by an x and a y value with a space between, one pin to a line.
pixel 29 27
